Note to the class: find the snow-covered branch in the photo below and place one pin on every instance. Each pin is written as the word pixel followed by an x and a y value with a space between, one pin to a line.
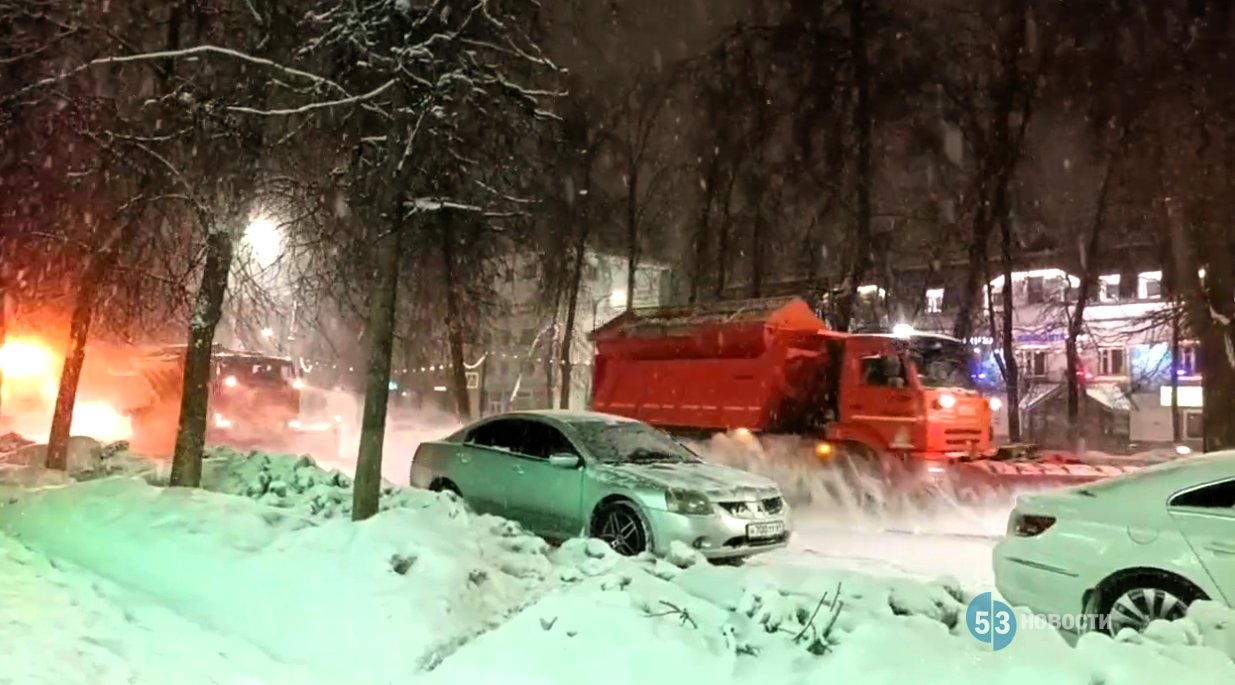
pixel 422 205
pixel 195 51
pixel 311 107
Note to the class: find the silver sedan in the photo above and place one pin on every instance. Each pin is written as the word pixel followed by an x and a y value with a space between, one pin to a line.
pixel 565 474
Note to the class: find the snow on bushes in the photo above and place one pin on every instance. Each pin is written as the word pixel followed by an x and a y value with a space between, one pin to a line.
pixel 288 482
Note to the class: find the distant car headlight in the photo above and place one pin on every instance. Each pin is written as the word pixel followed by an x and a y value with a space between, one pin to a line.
pixel 687 502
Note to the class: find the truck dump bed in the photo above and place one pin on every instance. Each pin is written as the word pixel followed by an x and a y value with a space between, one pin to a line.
pixel 749 364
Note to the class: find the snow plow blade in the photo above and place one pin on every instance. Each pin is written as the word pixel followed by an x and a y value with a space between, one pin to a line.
pixel 995 474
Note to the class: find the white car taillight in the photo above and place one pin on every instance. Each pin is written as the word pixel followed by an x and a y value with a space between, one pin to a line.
pixel 1029 525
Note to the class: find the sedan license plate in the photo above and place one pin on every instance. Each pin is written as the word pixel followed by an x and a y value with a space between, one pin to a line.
pixel 762 531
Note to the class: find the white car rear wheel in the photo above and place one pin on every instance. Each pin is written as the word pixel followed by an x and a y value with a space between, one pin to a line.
pixel 1136 600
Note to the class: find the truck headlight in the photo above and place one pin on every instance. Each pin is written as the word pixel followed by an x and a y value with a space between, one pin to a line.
pixel 687 502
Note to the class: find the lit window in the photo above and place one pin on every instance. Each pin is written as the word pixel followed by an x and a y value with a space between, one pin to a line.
pixel 1108 288
pixel 1035 290
pixel 1034 363
pixel 1149 285
pixel 934 301
pixel 1188 360
pixel 1111 362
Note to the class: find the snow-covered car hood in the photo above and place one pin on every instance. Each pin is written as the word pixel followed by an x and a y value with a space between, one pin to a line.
pixel 715 481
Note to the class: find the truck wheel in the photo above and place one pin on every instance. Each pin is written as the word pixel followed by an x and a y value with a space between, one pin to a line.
pixel 620 524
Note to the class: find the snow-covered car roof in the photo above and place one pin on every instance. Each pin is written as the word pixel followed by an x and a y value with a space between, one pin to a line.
pixel 568 415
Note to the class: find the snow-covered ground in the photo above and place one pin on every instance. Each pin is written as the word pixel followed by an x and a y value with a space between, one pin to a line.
pixel 261 578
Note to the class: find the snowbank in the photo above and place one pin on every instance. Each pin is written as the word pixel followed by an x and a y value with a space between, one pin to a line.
pixel 429 592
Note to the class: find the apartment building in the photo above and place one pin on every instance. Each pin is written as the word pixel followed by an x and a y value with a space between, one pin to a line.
pixel 519 353
pixel 1125 358
pixel 523 342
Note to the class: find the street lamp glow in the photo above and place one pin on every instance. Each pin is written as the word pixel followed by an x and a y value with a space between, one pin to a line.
pixel 263 237
pixel 617 298
pixel 902 330
pixel 266 332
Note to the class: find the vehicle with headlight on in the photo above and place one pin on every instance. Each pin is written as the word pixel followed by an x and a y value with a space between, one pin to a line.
pixel 255 400
pixel 1135 548
pixel 565 474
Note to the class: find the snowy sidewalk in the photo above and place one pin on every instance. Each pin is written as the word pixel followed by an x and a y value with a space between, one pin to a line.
pixel 60 625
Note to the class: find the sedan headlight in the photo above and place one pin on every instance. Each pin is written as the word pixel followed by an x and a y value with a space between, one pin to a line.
pixel 687 502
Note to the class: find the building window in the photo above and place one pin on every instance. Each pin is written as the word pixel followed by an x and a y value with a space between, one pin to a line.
pixel 1194 425
pixel 1035 363
pixel 1189 361
pixel 1108 288
pixel 934 301
pixel 1149 285
pixel 1111 362
pixel 1035 292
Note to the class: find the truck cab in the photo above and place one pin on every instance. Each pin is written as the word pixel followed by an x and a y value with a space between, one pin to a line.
pixel 252 395
pixel 910 393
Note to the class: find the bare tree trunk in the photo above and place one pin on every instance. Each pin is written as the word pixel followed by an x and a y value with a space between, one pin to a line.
pixel 79 332
pixel 1076 324
pixel 572 305
pixel 195 399
pixel 1177 428
pixel 1011 372
pixel 74 359
pixel 722 247
pixel 482 404
pixel 1211 315
pixel 757 235
pixel 454 318
pixel 550 361
pixel 703 226
pixel 962 327
pixel 367 488
pixel 999 161
pixel 632 233
pixel 862 125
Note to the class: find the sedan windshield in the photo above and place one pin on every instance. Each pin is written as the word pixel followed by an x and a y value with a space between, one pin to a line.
pixel 942 363
pixel 630 442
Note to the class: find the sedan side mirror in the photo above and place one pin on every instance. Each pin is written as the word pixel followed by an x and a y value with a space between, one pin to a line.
pixel 565 461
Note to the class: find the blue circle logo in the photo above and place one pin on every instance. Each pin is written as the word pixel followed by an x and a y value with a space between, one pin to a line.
pixel 991 621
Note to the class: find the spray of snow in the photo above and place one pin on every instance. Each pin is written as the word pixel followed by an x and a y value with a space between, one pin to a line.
pixel 96 420
pixel 405 430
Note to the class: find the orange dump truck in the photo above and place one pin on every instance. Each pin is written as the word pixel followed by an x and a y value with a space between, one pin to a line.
pixel 772 367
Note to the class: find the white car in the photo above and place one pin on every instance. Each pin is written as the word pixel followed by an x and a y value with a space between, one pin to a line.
pixel 1137 547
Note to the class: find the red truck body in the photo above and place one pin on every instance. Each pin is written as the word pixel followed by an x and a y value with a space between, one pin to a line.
pixel 771 366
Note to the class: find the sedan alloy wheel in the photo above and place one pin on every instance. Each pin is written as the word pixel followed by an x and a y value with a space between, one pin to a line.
pixel 1138 607
pixel 620 526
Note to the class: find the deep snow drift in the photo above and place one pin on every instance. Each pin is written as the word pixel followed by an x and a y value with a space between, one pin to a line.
pixel 267 581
